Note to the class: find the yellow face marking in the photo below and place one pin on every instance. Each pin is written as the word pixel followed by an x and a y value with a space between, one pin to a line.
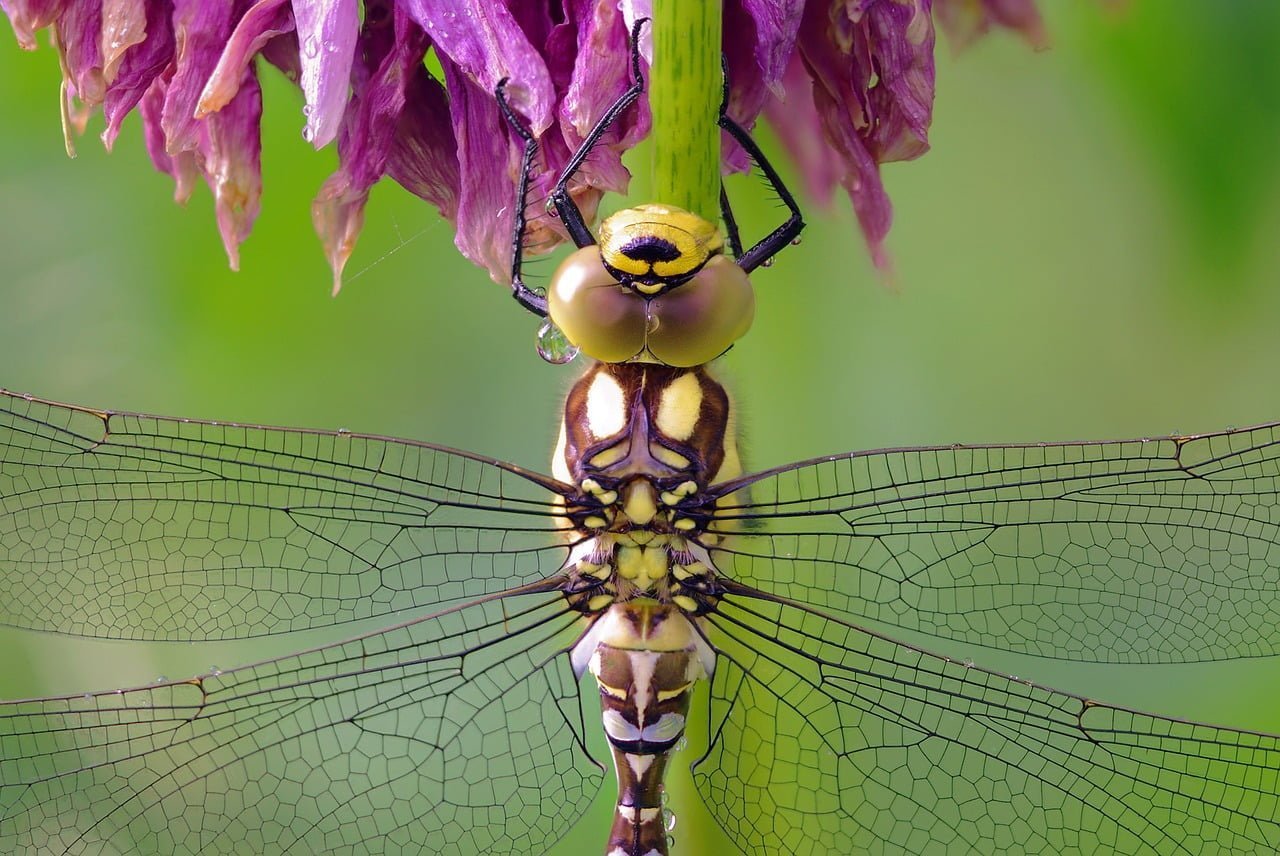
pixel 606 407
pixel 691 238
pixel 679 407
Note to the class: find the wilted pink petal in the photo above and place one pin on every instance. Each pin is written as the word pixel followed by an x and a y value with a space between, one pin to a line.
pixel 899 36
pixel 872 69
pixel 78 29
pixel 327 37
pixel 848 83
pixel 861 177
pixel 391 50
pixel 124 24
pixel 485 43
pixel 200 30
pixel 28 16
pixel 181 166
pixel 484 157
pixel 262 22
pixel 798 127
pixel 753 48
pixel 424 152
pixel 138 67
pixel 232 166
pixel 965 20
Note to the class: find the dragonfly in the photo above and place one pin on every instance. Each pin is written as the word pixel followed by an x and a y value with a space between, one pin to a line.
pixel 524 613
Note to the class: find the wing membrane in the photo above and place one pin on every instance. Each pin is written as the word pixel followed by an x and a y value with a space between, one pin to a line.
pixel 857 742
pixel 462 732
pixel 137 527
pixel 1142 551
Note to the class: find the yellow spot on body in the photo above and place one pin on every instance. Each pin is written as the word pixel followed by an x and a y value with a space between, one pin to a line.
pixel 606 407
pixel 560 467
pixel 685 602
pixel 639 502
pixel 644 566
pixel 595 522
pixel 693 569
pixel 607 457
pixel 679 407
pixel 593 570
pixel 599 602
pixel 616 692
pixel 663 695
pixel 684 524
pixel 675 460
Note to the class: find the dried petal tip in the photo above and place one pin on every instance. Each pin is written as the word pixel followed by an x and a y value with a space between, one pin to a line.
pixel 964 21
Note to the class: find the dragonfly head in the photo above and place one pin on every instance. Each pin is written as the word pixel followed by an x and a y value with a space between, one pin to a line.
pixel 657 288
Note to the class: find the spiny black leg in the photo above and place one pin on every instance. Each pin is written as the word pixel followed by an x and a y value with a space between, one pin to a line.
pixel 730 224
pixel 769 246
pixel 525 296
pixel 565 206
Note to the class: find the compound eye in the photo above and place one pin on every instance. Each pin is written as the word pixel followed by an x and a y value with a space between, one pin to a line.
pixel 603 318
pixel 698 321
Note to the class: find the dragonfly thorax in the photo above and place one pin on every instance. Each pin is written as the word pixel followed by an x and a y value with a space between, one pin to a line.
pixel 642 442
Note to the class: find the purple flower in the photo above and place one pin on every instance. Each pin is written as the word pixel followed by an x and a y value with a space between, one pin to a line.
pixel 848 85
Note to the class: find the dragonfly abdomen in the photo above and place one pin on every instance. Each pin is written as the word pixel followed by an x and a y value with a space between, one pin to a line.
pixel 646 658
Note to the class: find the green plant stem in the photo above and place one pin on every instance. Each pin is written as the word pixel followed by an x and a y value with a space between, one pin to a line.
pixel 684 94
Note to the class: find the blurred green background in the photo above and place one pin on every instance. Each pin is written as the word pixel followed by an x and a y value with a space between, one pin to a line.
pixel 1089 252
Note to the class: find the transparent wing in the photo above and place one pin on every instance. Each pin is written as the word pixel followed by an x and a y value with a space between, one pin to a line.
pixel 1142 551
pixel 137 527
pixel 830 739
pixel 460 733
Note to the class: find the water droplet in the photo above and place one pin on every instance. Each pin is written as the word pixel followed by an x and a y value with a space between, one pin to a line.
pixel 308 134
pixel 797 241
pixel 767 263
pixel 671 842
pixel 681 743
pixel 306 109
pixel 215 671
pixel 345 432
pixel 665 798
pixel 669 820
pixel 651 324
pixel 88 696
pixel 330 47
pixel 968 662
pixel 310 47
pixel 554 346
pixel 160 679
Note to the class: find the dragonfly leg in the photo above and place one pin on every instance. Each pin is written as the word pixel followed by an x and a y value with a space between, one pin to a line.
pixel 525 296
pixel 560 197
pixel 770 244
